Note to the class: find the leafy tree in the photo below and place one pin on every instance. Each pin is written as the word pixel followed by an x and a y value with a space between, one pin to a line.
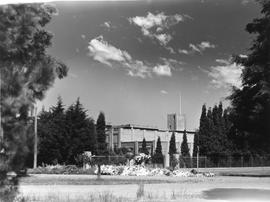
pixel 101 133
pixel 144 148
pixel 184 146
pixel 172 148
pixel 158 156
pixel 27 72
pixel 251 102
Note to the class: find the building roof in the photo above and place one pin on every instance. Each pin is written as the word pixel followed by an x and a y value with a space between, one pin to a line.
pixel 147 127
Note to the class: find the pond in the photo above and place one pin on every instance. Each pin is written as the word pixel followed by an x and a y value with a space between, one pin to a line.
pixel 237 194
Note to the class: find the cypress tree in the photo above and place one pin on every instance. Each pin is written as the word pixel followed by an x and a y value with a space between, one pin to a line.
pixel 184 146
pixel 158 156
pixel 101 133
pixel 172 148
pixel 203 132
pixel 144 148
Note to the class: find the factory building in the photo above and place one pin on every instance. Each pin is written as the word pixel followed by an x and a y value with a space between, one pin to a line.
pixel 131 136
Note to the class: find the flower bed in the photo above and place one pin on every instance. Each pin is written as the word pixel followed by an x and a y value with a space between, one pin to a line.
pixel 60 169
pixel 138 170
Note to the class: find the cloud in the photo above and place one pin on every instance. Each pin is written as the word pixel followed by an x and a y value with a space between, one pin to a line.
pixel 163 92
pixel 137 68
pixel 197 48
pixel 227 75
pixel 222 61
pixel 155 26
pixel 103 52
pixel 163 39
pixel 206 44
pixel 170 49
pixel 173 64
pixel 162 70
pixel 243 56
pixel 183 51
pixel 245 2
pixel 194 48
pixel 83 36
pixel 108 25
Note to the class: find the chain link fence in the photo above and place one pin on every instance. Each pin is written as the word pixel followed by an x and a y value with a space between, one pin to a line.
pixel 212 161
pixel 225 161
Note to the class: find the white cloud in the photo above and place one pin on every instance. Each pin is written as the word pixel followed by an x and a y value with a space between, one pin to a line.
pixel 138 69
pixel 83 36
pixel 206 44
pixel 245 2
pixel 155 26
pixel 225 76
pixel 163 92
pixel 105 53
pixel 197 48
pixel 162 70
pixel 194 48
pixel 170 49
pixel 108 25
pixel 222 61
pixel 163 39
pixel 183 51
pixel 243 56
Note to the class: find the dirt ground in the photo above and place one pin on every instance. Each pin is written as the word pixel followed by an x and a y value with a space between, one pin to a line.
pixel 216 188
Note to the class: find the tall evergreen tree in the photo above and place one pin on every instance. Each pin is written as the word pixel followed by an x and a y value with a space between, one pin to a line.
pixel 101 133
pixel 50 126
pixel 144 148
pixel 251 103
pixel 81 131
pixel 204 133
pixel 172 148
pixel 158 156
pixel 184 146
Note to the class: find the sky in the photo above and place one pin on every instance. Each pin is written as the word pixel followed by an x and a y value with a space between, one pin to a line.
pixel 132 59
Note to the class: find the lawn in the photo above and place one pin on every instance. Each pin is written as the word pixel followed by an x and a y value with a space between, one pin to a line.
pixel 56 188
pixel 240 171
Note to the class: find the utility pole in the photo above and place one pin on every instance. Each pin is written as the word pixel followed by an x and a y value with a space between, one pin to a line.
pixel 198 149
pixel 198 156
pixel 36 139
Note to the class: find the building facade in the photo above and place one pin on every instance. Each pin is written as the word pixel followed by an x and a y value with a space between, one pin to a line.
pixel 131 136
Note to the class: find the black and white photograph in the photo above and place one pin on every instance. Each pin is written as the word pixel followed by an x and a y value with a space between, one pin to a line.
pixel 134 100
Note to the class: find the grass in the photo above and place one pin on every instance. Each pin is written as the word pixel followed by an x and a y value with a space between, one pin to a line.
pixel 141 195
pixel 93 180
pixel 240 171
